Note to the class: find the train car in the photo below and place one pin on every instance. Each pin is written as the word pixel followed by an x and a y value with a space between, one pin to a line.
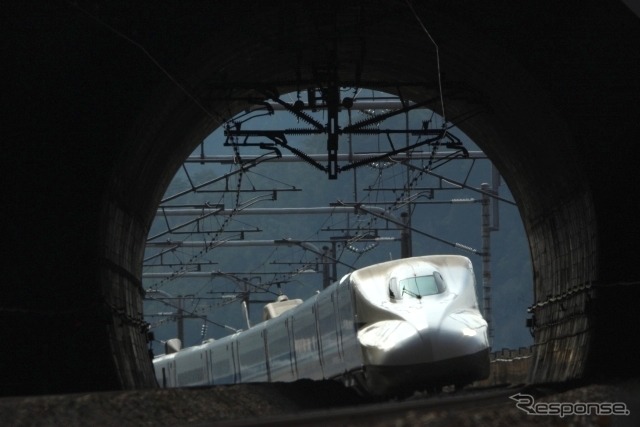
pixel 389 328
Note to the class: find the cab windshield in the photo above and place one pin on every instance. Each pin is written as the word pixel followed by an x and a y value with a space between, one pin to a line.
pixel 417 286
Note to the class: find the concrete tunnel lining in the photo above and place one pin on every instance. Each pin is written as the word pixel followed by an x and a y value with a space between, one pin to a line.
pixel 151 134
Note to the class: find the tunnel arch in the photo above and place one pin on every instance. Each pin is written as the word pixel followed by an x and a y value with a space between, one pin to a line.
pixel 183 70
pixel 518 128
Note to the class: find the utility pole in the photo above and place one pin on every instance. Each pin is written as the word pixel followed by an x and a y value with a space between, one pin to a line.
pixel 406 246
pixel 180 319
pixel 179 315
pixel 488 191
pixel 326 277
pixel 405 243
pixel 486 260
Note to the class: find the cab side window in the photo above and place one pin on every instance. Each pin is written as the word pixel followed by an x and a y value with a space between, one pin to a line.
pixel 394 291
pixel 439 282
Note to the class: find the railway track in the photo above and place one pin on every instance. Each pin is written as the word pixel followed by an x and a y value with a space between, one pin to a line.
pixel 411 411
pixel 309 403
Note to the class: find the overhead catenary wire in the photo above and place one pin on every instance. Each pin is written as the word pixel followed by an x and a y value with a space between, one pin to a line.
pixel 424 28
pixel 149 56
pixel 193 313
pixel 211 245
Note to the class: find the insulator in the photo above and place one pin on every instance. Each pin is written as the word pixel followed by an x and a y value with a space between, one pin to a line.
pixel 380 165
pixel 307 118
pixel 367 248
pixel 376 118
pixel 306 158
pixel 359 163
pixel 300 131
pixel 465 247
pixel 366 130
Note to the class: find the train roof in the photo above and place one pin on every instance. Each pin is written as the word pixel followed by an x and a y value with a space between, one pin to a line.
pixel 373 281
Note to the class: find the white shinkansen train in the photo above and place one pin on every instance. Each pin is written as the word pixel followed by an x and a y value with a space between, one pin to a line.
pixel 389 328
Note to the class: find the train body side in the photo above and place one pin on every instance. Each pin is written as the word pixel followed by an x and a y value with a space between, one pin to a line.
pixel 315 340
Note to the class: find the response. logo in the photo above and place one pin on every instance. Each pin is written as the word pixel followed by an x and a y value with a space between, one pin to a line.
pixel 526 403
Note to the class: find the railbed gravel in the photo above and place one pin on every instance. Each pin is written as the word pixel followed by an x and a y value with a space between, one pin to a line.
pixel 209 406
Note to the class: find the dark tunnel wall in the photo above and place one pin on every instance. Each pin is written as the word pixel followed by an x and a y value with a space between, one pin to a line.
pixel 104 100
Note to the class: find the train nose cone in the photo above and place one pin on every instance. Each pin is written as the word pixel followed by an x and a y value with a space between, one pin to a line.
pixel 458 336
pixel 394 342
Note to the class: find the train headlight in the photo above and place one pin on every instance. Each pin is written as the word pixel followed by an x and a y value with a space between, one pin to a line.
pixel 468 332
pixel 385 335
